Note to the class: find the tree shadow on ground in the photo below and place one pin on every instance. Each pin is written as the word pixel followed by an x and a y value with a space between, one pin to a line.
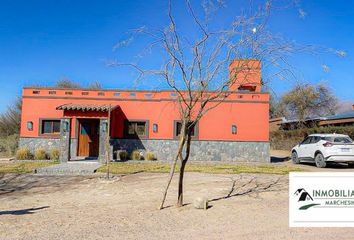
pixel 20 183
pixel 330 165
pixel 274 159
pixel 241 186
pixel 251 186
pixel 22 211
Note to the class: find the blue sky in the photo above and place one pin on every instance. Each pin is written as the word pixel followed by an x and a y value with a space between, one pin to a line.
pixel 43 41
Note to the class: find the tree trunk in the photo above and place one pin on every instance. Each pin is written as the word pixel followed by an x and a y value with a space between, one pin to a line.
pixel 180 184
pixel 172 171
pixel 107 141
pixel 183 167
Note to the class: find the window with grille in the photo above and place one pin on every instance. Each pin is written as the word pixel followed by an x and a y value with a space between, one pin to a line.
pixel 136 129
pixel 178 128
pixel 50 126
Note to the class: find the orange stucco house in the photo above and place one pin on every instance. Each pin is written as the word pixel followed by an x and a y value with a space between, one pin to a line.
pixel 75 121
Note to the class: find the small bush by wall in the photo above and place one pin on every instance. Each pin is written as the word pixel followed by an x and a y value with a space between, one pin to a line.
pixel 285 140
pixel 135 155
pixel 54 154
pixel 24 154
pixel 40 154
pixel 123 155
pixel 150 156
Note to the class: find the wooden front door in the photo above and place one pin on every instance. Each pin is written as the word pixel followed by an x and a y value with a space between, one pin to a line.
pixel 88 138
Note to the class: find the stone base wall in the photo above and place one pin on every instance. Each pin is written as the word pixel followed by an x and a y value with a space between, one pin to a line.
pixel 73 148
pixel 34 143
pixel 200 150
pixel 47 143
pixel 165 149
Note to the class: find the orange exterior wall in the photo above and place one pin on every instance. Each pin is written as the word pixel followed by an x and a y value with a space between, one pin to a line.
pixel 247 75
pixel 248 111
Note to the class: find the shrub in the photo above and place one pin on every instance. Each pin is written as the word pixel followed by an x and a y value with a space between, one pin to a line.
pixel 55 154
pixel 286 139
pixel 40 154
pixel 23 154
pixel 8 145
pixel 150 156
pixel 123 155
pixel 135 155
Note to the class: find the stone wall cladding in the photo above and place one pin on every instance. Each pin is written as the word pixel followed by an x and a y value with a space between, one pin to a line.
pixel 165 149
pixel 64 140
pixel 73 148
pixel 34 143
pixel 228 151
pixel 102 140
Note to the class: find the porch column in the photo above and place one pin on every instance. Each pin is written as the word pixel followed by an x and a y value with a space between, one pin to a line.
pixel 102 141
pixel 65 126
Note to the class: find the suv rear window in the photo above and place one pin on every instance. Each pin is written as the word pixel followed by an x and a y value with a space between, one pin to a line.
pixel 328 139
pixel 315 139
pixel 342 140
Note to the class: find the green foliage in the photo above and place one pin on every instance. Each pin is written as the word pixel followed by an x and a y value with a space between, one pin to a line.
pixel 150 156
pixel 135 155
pixel 40 154
pixel 24 154
pixel 285 140
pixel 23 167
pixel 54 154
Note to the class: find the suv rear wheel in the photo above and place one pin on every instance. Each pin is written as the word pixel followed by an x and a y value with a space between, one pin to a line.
pixel 320 160
pixel 295 158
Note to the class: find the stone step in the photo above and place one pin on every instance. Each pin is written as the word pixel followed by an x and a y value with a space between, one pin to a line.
pixel 70 168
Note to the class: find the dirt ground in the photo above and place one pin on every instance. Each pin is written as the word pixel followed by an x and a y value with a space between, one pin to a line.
pixel 244 206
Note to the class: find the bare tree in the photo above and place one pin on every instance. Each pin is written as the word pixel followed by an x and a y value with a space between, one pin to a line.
pixel 276 108
pixel 10 128
pixel 305 100
pixel 107 141
pixel 10 119
pixel 95 85
pixel 67 83
pixel 197 66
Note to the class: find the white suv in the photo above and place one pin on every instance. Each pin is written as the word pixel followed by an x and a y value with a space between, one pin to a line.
pixel 322 148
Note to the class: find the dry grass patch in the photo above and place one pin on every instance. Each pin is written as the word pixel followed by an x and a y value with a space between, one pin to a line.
pixel 125 168
pixel 23 167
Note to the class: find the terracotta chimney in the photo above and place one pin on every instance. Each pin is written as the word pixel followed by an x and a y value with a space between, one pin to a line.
pixel 246 75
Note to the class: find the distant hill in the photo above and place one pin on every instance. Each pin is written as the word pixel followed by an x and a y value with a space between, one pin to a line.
pixel 345 106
